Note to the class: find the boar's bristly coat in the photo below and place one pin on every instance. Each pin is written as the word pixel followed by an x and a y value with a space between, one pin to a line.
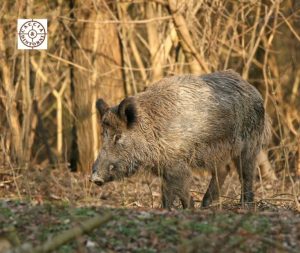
pixel 185 123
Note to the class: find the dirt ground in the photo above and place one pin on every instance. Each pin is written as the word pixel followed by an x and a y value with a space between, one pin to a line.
pixel 142 190
pixel 40 204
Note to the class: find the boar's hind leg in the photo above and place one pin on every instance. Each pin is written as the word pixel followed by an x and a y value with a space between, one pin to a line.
pixel 245 165
pixel 176 183
pixel 216 182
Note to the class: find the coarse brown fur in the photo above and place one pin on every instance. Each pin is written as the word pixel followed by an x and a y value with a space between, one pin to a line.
pixel 182 123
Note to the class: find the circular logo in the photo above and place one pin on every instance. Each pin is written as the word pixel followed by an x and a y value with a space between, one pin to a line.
pixel 32 33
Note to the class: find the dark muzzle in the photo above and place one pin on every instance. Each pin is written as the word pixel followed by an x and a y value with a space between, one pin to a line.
pixel 96 179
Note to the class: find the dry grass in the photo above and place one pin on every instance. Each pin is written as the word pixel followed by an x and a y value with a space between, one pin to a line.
pixel 139 191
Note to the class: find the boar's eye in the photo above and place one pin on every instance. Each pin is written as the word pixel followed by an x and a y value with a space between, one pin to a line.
pixel 117 137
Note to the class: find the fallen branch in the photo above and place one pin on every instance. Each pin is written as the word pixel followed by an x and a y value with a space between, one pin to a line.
pixel 278 245
pixel 65 236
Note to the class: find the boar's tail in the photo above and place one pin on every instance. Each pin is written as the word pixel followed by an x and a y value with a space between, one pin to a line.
pixel 267 130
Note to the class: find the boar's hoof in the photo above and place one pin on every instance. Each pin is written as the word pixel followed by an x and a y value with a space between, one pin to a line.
pixel 192 202
pixel 206 202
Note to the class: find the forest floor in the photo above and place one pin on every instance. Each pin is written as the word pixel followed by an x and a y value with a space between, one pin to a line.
pixel 36 207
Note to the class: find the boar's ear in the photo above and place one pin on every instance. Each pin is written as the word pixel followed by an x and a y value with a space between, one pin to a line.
pixel 127 111
pixel 101 106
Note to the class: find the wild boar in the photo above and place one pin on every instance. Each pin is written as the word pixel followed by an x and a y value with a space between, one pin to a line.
pixel 185 123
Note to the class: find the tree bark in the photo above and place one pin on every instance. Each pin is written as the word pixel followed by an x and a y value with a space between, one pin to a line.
pixel 9 100
pixel 97 49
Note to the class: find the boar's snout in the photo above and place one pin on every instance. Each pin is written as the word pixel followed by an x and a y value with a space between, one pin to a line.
pixel 103 171
pixel 95 178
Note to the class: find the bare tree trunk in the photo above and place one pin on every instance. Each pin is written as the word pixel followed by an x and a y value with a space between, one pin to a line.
pixel 154 43
pixel 97 49
pixel 59 96
pixel 9 102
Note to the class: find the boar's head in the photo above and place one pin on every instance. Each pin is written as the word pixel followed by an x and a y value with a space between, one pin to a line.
pixel 116 158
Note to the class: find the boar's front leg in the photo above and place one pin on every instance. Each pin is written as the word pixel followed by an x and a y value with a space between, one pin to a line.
pixel 167 195
pixel 176 183
pixel 216 182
